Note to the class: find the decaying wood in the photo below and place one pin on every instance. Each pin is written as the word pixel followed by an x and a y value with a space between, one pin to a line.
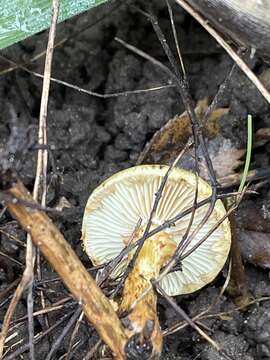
pixel 245 21
pixel 59 253
pixel 229 49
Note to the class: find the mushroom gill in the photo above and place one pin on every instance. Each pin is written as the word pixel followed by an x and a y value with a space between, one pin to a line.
pixel 111 215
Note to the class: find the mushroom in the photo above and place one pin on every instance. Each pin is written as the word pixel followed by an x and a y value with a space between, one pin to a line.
pixel 112 212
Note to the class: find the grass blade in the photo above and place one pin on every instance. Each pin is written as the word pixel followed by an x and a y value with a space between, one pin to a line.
pixel 20 19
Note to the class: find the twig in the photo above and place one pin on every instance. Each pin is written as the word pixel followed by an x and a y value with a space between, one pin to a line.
pixel 89 92
pixel 40 185
pixel 181 312
pixel 73 335
pixel 92 350
pixel 5 196
pixel 242 65
pixel 2 212
pixel 75 347
pixel 223 87
pixel 25 347
pixel 14 261
pixel 57 306
pixel 66 329
pixel 177 327
pixel 11 237
pixel 175 37
pixel 185 236
pixel 8 289
pixel 204 315
pixel 15 299
pixel 59 253
pixel 182 86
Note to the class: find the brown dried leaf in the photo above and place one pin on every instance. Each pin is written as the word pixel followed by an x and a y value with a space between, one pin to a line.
pixel 167 142
pixel 225 157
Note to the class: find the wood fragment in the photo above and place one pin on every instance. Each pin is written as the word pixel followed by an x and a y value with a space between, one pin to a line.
pixel 233 54
pixel 59 253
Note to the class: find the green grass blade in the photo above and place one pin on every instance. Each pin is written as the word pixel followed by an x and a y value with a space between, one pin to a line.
pixel 20 19
pixel 248 155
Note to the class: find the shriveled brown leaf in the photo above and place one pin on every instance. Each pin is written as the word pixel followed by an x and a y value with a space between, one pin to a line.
pixel 167 143
pixel 171 138
pixel 225 157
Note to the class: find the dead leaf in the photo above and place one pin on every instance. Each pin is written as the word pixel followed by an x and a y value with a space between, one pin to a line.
pixel 225 157
pixel 167 142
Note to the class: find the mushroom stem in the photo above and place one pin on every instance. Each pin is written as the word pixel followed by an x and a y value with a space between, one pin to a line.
pixel 142 321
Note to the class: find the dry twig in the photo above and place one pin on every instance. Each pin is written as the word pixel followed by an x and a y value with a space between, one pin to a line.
pixel 242 65
pixel 40 185
pixel 27 278
pixel 58 252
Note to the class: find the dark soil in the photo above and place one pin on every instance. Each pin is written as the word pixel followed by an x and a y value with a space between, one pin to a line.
pixel 91 138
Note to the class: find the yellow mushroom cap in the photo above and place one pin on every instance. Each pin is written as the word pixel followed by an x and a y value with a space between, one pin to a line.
pixel 114 208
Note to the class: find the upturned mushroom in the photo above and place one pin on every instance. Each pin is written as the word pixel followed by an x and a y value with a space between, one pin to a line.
pixel 112 212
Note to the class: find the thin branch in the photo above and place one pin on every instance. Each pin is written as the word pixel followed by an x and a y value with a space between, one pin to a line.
pixel 89 92
pixel 253 175
pixel 73 335
pixel 176 327
pixel 223 87
pixel 66 329
pixel 220 315
pixel 14 261
pixel 183 88
pixel 92 351
pixel 242 65
pixel 5 196
pixel 40 184
pixel 181 312
pixel 59 253
pixel 175 37
pixel 25 347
